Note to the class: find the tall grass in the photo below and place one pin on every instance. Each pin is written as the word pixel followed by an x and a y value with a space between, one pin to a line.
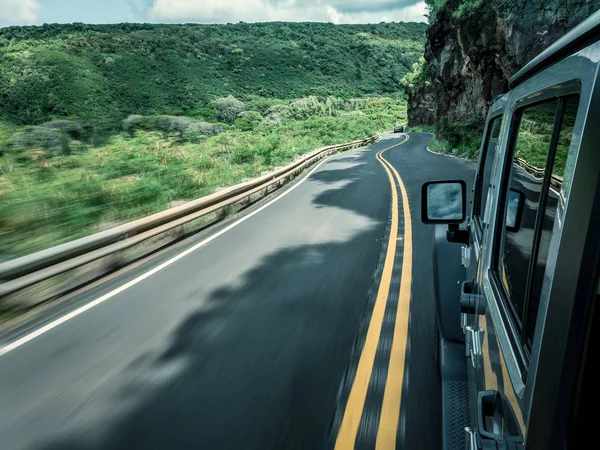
pixel 48 197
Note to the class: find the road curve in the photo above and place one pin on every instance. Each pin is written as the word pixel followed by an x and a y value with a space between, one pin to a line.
pixel 252 340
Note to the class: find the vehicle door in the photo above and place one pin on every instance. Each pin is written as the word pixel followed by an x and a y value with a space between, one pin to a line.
pixel 514 231
pixel 473 251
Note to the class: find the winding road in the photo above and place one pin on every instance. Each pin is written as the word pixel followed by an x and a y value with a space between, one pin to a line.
pixel 305 322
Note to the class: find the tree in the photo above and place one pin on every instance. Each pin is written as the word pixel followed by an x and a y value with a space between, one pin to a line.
pixel 418 78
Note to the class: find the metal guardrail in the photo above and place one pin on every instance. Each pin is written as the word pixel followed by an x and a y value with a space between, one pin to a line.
pixel 29 270
pixel 555 180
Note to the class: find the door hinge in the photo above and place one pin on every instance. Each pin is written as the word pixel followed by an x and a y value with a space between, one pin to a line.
pixel 465 255
pixel 474 345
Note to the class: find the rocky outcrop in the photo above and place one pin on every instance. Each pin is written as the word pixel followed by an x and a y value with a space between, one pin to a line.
pixel 473 48
pixel 421 107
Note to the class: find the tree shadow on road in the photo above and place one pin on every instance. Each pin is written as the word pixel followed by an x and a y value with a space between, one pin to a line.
pixel 259 365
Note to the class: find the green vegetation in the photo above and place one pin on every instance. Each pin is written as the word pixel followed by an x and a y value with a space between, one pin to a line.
pixel 57 184
pixel 458 138
pixel 418 78
pixel 461 138
pixel 421 129
pixel 468 8
pixel 434 144
pixel 434 7
pixel 465 9
pixel 535 133
pixel 101 124
pixel 101 74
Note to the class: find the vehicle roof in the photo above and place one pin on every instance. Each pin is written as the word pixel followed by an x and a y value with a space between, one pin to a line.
pixel 579 37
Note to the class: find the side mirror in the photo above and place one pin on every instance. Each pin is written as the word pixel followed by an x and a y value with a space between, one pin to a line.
pixel 444 202
pixel 514 210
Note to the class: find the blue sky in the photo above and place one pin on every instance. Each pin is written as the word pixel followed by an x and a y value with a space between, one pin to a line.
pixel 36 12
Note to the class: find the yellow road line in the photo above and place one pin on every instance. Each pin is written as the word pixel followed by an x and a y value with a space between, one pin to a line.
pixel 392 396
pixel 346 437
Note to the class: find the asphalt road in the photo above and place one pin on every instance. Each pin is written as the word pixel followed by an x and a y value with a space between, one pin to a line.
pixel 250 341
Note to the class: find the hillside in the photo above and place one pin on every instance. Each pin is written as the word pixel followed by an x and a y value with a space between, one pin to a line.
pixel 103 73
pixel 104 124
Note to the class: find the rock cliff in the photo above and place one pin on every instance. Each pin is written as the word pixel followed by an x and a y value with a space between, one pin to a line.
pixel 474 46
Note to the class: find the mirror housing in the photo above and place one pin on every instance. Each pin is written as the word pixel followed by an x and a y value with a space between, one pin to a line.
pixel 444 202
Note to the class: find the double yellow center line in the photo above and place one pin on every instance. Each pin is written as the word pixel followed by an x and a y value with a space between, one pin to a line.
pixel 390 410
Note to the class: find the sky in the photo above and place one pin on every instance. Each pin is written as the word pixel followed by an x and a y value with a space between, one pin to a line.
pixel 37 12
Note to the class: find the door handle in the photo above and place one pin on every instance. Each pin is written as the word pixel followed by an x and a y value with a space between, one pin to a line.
pixel 497 423
pixel 470 302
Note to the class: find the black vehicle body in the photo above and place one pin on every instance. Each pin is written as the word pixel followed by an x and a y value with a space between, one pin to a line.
pixel 516 305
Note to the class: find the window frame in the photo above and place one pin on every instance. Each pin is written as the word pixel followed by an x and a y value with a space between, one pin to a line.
pixel 483 158
pixel 515 329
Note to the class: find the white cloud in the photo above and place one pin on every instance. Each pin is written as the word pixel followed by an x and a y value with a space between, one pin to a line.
pixel 18 12
pixel 220 11
pixel 416 13
pixel 334 15
pixel 229 11
pixel 413 13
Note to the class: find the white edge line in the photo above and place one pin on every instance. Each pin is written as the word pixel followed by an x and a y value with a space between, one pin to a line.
pixel 29 337
pixel 449 155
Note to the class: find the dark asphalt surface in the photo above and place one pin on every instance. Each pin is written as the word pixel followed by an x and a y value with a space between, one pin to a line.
pixel 244 343
pixel 421 408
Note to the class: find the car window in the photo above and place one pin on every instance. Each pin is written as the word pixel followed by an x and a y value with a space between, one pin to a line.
pixel 487 161
pixel 536 171
pixel 558 169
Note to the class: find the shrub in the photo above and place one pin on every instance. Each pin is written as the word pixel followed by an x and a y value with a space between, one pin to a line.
pixel 219 128
pixel 243 155
pixel 355 113
pixel 166 124
pixel 169 124
pixel 248 120
pixel 465 136
pixel 132 122
pixel 71 129
pixel 228 109
pixel 273 119
pixel 355 104
pixel 40 137
pixel 64 145
pixel 283 110
pixel 176 124
pixel 262 104
pixel 268 148
pixel 199 130
pixel 205 128
pixel 304 108
pixel 468 8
